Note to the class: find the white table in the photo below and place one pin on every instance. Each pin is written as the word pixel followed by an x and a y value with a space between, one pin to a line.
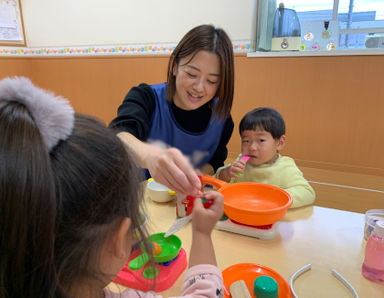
pixel 326 238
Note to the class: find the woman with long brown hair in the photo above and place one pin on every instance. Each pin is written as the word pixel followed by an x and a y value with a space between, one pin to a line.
pixel 189 114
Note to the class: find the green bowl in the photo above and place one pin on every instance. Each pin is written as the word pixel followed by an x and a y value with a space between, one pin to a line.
pixel 170 248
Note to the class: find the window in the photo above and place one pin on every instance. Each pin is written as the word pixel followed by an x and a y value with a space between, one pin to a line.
pixel 359 23
pixel 360 20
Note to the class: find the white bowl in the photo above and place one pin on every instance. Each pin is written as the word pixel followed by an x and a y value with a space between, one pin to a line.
pixel 158 192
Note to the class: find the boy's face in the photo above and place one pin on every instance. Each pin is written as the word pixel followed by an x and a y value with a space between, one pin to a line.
pixel 260 145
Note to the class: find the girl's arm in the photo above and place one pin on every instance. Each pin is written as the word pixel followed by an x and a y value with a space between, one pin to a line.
pixel 203 222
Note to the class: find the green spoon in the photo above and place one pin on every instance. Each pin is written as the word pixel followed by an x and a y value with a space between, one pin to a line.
pixel 139 262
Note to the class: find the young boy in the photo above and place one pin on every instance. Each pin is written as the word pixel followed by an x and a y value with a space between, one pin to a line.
pixel 262 134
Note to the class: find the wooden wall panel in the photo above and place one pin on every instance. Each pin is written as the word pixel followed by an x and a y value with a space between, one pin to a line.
pixel 346 191
pixel 14 67
pixel 97 85
pixel 333 106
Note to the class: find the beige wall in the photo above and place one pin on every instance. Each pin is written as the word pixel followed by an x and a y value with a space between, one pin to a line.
pixel 333 106
pixel 109 22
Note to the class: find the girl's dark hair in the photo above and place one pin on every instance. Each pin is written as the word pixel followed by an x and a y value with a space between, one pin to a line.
pixel 267 119
pixel 214 40
pixel 58 208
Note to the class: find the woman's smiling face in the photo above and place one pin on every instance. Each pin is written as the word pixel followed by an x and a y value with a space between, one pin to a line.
pixel 197 80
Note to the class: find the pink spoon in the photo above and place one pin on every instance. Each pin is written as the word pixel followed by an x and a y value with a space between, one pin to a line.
pixel 245 159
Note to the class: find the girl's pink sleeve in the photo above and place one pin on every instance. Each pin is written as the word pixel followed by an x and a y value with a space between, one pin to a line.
pixel 203 281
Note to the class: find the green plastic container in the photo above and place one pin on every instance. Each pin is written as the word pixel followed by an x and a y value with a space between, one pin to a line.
pixel 265 287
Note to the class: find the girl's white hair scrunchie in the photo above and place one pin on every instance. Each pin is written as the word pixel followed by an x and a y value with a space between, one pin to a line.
pixel 53 115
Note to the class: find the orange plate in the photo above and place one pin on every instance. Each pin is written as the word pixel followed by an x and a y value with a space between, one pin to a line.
pixel 249 272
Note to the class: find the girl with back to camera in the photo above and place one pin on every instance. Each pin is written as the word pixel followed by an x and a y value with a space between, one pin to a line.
pixel 190 113
pixel 70 199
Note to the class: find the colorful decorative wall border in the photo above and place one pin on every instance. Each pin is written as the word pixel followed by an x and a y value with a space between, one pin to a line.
pixel 241 46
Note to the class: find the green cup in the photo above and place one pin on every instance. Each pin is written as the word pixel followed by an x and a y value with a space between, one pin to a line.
pixel 265 287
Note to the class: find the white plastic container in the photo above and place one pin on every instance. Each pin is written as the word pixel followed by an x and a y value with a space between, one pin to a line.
pixel 158 192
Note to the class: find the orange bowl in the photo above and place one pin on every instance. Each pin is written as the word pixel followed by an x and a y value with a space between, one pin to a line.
pixel 249 203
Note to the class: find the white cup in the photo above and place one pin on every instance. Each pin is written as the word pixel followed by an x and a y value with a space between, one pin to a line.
pixel 158 192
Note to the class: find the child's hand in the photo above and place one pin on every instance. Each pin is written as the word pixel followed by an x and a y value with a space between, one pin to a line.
pixel 236 168
pixel 204 219
pixel 203 222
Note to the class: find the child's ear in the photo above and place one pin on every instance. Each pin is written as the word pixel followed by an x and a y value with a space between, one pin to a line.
pixel 122 241
pixel 281 143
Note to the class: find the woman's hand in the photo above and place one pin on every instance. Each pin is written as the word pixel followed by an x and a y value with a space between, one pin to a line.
pixel 167 166
pixel 170 167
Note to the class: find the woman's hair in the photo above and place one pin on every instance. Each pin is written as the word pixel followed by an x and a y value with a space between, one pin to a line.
pixel 267 119
pixel 214 40
pixel 58 207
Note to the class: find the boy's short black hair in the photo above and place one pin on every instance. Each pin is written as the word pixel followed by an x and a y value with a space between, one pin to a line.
pixel 267 119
